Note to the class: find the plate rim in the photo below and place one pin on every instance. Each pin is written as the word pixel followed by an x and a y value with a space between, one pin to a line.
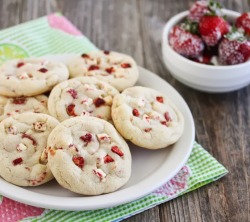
pixel 83 203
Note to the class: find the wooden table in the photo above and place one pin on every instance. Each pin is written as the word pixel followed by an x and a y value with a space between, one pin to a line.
pixel 222 120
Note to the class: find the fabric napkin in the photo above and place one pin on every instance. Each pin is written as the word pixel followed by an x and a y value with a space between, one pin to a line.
pixel 54 34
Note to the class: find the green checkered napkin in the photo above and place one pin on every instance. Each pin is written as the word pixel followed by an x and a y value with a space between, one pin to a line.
pixel 54 34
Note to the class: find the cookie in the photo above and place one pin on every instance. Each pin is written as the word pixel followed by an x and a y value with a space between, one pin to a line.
pixel 88 156
pixel 117 69
pixel 30 77
pixel 17 105
pixel 23 139
pixel 82 96
pixel 147 118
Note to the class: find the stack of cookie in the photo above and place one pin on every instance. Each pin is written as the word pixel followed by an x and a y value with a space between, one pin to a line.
pixel 80 137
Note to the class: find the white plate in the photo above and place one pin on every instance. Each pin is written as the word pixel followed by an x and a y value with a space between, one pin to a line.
pixel 150 168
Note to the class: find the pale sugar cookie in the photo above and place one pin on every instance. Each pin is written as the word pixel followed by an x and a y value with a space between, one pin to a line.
pixel 119 70
pixel 88 156
pixel 147 118
pixel 31 76
pixel 17 105
pixel 23 139
pixel 82 96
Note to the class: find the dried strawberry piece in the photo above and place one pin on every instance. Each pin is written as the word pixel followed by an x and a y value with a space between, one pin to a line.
pixel 147 130
pixel 110 70
pixel 44 70
pixel 85 56
pixel 86 138
pixel 164 123
pixel 78 161
pixel 135 112
pixel 19 100
pixel 99 102
pixel 20 64
pixel 106 52
pixel 167 116
pixel 108 159
pixel 125 65
pixel 71 109
pixel 93 67
pixel 17 161
pixel 116 150
pixel 73 93
pixel 34 143
pixel 160 99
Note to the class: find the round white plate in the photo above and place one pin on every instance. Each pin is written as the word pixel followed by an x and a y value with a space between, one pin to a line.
pixel 150 168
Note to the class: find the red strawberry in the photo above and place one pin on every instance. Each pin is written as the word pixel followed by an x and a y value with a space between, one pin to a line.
pixel 212 29
pixel 244 22
pixel 185 43
pixel 201 8
pixel 197 10
pixel 234 49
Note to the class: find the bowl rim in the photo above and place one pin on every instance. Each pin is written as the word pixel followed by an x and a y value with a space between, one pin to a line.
pixel 165 43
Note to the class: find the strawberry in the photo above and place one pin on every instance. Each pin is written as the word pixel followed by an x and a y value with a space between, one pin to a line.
pixel 212 28
pixel 185 43
pixel 201 8
pixel 244 22
pixel 234 49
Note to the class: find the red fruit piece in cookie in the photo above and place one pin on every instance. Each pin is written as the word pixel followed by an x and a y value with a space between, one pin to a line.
pixel 116 150
pixel 78 161
pixel 17 161
pixel 99 102
pixel 136 112
pixel 20 64
pixel 93 67
pixel 85 56
pixel 108 159
pixel 43 70
pixel 212 28
pixel 160 99
pixel 19 100
pixel 244 22
pixel 185 43
pixel 125 65
pixel 234 49
pixel 71 109
pixel 86 138
pixel 73 93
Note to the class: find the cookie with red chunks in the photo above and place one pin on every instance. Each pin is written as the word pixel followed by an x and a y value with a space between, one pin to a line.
pixel 17 105
pixel 243 22
pixel 147 118
pixel 185 43
pixel 117 69
pixel 82 96
pixel 23 141
pixel 88 156
pixel 30 76
pixel 234 49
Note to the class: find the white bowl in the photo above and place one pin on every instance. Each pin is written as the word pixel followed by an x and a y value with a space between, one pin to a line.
pixel 199 76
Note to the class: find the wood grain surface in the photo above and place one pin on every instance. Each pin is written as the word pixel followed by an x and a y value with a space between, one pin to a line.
pixel 222 120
